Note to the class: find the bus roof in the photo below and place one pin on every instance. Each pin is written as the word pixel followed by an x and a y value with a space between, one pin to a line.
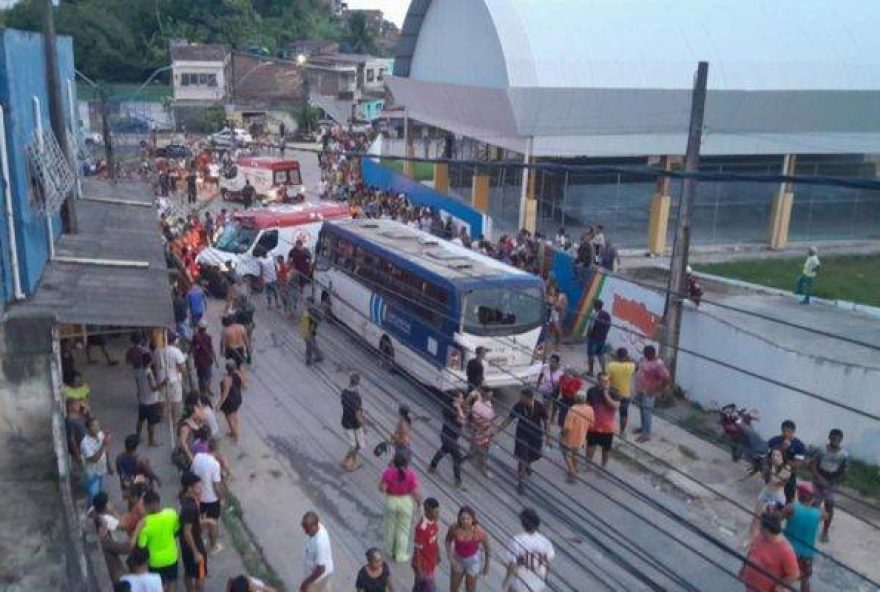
pixel 267 162
pixel 291 215
pixel 440 257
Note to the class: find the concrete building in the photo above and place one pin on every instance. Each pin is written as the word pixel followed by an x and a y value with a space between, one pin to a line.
pixel 599 83
pixel 25 233
pixel 348 86
pixel 201 72
pixel 57 285
pixel 308 48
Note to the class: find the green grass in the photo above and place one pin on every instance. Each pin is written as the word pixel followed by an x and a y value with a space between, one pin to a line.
pixel 424 171
pixel 855 278
pixel 863 478
pixel 122 91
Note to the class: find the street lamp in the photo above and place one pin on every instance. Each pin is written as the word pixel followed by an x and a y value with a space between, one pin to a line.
pixel 150 79
pixel 301 59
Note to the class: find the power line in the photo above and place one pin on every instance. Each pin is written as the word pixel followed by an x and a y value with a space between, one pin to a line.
pixel 636 170
pixel 497 525
pixel 639 495
pixel 449 371
pixel 555 463
pixel 637 333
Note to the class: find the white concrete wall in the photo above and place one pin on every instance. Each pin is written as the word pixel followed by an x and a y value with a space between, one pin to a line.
pixel 199 92
pixel 713 385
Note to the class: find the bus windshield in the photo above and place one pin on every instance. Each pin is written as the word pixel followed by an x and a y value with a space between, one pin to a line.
pixel 503 310
pixel 236 239
pixel 287 177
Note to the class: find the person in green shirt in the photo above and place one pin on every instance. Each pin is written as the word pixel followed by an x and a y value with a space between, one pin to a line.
pixel 158 535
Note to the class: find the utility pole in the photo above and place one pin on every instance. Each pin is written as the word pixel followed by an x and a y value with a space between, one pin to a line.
pixel 56 108
pixel 105 132
pixel 677 288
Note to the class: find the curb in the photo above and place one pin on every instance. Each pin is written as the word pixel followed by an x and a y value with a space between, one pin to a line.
pixel 252 556
pixel 841 304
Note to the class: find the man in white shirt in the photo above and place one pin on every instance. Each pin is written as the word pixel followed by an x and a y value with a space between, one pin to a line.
pixel 317 556
pixel 93 450
pixel 170 370
pixel 139 578
pixel 207 467
pixel 528 557
pixel 269 275
pixel 804 285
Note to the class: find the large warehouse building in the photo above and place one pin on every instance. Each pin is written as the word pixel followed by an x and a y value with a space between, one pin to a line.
pixel 791 89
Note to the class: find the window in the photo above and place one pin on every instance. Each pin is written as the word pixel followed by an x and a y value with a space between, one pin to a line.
pixel 490 308
pixel 235 239
pixel 420 297
pixel 267 242
pixel 380 74
pixel 203 79
pixel 371 75
pixel 184 79
pixel 212 80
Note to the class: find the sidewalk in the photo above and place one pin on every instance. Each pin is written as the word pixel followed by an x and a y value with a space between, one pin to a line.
pixel 695 466
pixel 113 403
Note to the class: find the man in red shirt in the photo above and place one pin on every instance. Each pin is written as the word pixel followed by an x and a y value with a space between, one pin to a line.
pixel 605 402
pixel 771 564
pixel 427 550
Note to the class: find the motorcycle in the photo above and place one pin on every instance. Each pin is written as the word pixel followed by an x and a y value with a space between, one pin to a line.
pixel 744 439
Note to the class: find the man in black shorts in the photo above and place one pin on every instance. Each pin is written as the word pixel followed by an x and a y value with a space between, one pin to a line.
pixel 192 547
pixel 605 402
pixel 531 425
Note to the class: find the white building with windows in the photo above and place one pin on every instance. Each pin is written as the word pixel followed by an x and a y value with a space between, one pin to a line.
pixel 201 72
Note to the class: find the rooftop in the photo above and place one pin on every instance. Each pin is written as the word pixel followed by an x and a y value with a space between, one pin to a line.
pixel 347 58
pixel 199 52
pixel 595 78
pixel 439 256
pixel 113 225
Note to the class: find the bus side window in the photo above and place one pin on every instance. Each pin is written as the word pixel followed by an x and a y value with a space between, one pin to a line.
pixel 325 252
pixel 268 240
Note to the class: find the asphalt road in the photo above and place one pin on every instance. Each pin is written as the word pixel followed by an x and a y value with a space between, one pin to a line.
pixel 611 531
pixel 622 530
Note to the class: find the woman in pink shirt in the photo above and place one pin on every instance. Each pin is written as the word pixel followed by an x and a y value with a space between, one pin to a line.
pixel 400 484
pixel 651 380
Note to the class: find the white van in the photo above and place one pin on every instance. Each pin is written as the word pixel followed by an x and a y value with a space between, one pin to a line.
pixel 275 229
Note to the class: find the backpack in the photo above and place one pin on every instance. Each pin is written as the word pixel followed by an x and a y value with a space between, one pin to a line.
pixel 305 325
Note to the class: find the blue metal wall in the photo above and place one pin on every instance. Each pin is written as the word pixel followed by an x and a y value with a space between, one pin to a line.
pixel 376 175
pixel 22 77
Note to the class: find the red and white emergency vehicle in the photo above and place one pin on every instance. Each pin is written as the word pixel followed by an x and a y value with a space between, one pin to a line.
pixel 274 179
pixel 274 229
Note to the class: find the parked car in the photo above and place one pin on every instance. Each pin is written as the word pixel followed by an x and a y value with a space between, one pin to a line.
pixel 174 151
pixel 93 139
pixel 129 125
pixel 230 137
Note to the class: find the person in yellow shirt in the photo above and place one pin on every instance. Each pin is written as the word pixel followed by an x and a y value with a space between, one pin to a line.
pixel 77 390
pixel 158 535
pixel 621 370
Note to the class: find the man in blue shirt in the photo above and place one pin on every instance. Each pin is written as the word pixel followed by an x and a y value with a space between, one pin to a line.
pixel 793 451
pixel 195 299
pixel 801 527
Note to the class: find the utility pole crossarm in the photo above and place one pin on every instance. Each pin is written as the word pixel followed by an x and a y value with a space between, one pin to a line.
pixel 677 287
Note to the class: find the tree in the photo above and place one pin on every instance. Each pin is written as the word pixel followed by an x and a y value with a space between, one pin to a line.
pixel 126 40
pixel 212 119
pixel 307 117
pixel 361 37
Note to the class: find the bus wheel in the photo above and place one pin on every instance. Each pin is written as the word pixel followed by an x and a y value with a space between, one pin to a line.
pixel 386 353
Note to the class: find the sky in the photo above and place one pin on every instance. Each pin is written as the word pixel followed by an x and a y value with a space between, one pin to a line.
pixel 395 10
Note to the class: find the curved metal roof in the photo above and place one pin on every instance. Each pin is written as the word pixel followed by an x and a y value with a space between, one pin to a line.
pixel 655 44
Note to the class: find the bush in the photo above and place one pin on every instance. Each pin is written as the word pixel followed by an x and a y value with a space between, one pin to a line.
pixel 212 119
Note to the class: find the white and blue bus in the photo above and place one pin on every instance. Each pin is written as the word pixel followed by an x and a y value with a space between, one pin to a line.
pixel 426 304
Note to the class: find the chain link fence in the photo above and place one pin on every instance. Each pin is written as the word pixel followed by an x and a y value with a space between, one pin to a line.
pixel 724 212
